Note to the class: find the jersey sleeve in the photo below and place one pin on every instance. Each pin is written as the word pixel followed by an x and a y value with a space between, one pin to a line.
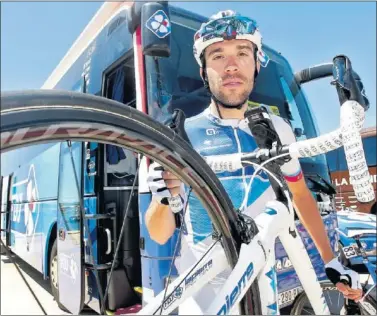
pixel 291 170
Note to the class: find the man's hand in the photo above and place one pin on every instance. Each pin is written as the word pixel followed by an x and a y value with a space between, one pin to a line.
pixel 353 294
pixel 339 275
pixel 172 183
pixel 159 218
pixel 166 188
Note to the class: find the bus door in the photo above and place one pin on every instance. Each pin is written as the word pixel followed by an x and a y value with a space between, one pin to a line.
pixel 69 224
pixel 109 174
pixel 119 193
pixel 100 242
pixel 5 210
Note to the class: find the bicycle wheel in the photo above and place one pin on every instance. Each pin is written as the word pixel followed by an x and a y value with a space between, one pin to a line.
pixel 336 302
pixel 40 116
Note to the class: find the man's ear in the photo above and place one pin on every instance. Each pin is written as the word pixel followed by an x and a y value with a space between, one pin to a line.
pixel 201 72
pixel 258 66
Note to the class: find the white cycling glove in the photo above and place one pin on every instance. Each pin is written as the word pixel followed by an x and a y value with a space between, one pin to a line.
pixel 336 272
pixel 161 193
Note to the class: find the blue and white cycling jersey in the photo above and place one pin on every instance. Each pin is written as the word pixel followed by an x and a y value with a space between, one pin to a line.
pixel 211 136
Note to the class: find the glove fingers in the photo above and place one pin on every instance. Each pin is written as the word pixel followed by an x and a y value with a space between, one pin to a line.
pixel 155 172
pixel 158 186
pixel 159 189
pixel 154 176
pixel 156 183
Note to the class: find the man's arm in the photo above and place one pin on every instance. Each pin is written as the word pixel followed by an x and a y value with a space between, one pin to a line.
pixel 310 217
pixel 160 222
pixel 306 206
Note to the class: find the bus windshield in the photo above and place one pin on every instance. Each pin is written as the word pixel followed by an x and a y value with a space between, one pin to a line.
pixel 337 159
pixel 340 177
pixel 175 82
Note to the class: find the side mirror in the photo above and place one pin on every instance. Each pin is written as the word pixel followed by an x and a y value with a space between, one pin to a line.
pixel 156 29
pixel 134 16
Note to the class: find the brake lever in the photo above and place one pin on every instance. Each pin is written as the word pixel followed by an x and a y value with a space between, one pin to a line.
pixel 177 124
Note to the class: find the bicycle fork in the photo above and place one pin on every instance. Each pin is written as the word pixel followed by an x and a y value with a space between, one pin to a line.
pixel 300 259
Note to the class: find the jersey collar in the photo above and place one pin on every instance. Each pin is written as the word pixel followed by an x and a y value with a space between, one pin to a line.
pixel 223 122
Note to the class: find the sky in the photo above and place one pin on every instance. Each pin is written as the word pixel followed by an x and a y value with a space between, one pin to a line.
pixel 36 35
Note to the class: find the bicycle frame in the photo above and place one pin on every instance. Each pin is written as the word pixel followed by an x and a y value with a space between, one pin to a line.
pixel 275 222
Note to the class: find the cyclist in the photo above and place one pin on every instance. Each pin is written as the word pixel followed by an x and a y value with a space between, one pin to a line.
pixel 229 52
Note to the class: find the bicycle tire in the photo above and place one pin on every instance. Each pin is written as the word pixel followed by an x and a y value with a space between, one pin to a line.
pixel 302 301
pixel 40 116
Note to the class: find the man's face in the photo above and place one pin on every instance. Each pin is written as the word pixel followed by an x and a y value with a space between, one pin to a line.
pixel 230 70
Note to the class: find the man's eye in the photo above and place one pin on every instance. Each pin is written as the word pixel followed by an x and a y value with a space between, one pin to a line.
pixel 217 57
pixel 244 54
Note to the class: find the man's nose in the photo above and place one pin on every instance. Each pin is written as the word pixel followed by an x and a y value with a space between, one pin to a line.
pixel 231 65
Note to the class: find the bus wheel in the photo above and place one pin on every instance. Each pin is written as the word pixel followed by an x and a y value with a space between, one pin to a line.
pixel 54 274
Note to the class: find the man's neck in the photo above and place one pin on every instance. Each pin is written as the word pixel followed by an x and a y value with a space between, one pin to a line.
pixel 228 113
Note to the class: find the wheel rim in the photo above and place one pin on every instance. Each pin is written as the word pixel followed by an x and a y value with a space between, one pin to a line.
pixel 67 115
pixel 54 272
pixel 334 300
pixel 23 126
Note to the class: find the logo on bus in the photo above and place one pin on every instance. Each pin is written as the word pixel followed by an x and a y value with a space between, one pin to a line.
pixel 24 197
pixel 159 24
pixel 68 266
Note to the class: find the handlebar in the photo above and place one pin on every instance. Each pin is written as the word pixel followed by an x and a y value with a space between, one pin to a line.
pixel 314 73
pixel 354 103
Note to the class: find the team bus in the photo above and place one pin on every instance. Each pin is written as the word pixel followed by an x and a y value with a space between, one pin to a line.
pixel 39 195
pixel 345 197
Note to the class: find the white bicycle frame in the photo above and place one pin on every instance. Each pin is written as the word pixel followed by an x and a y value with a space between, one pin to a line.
pixel 256 258
pixel 276 221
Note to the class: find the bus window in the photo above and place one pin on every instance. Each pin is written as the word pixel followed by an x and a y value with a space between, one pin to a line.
pixel 120 83
pixel 332 160
pixel 337 159
pixel 69 173
pixel 340 176
pixel 341 161
pixel 294 115
pixel 175 82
